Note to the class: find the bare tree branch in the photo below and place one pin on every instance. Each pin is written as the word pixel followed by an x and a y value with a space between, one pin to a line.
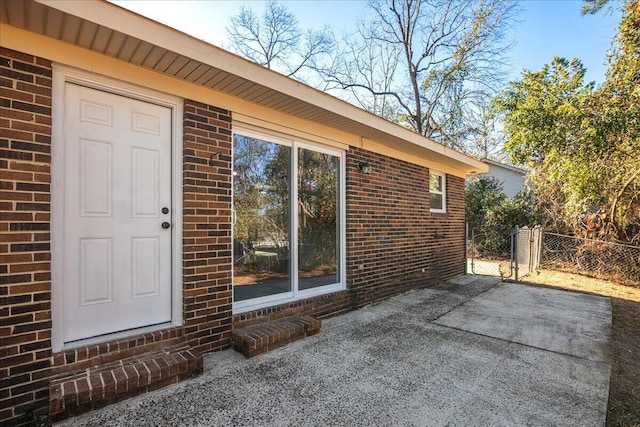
pixel 447 53
pixel 276 42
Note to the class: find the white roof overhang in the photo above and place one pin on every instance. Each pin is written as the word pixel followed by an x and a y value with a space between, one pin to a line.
pixel 110 30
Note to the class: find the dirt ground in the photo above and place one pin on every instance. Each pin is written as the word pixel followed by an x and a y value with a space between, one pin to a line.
pixel 624 392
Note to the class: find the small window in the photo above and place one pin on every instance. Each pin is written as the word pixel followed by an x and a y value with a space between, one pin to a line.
pixel 438 192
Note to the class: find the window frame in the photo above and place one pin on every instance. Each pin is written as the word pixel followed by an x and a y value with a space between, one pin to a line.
pixel 295 294
pixel 442 192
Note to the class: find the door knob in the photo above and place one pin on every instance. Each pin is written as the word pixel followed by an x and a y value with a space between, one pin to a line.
pixel 166 225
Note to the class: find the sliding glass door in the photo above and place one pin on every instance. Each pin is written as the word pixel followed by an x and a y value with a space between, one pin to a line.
pixel 287 239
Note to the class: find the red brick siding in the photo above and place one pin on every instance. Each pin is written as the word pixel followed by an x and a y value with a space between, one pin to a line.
pixel 84 357
pixel 449 249
pixel 391 234
pixel 320 307
pixel 25 270
pixel 207 242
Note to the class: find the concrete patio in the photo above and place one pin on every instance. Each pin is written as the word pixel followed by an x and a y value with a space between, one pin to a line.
pixel 470 352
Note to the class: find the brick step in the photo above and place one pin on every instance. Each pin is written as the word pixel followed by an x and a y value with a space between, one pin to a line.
pixel 102 354
pixel 80 391
pixel 257 339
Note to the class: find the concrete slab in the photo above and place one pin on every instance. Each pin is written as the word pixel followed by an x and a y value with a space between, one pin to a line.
pixel 555 320
pixel 388 364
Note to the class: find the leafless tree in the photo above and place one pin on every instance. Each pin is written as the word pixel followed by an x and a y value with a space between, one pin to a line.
pixel 376 67
pixel 476 130
pixel 275 40
pixel 448 53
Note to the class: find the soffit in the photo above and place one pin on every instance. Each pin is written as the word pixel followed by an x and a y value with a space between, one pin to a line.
pixel 110 30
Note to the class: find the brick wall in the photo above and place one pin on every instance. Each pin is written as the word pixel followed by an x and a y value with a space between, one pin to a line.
pixel 207 242
pixel 320 307
pixel 448 250
pixel 394 243
pixel 25 271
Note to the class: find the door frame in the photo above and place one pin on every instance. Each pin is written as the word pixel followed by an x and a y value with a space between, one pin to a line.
pixel 62 75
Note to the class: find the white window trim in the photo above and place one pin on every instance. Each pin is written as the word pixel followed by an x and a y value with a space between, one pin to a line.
pixel 295 294
pixel 443 192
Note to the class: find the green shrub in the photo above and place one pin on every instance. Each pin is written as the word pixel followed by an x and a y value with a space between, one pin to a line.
pixel 491 216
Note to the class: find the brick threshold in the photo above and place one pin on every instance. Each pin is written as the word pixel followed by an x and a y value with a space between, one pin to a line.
pixel 76 392
pixel 260 338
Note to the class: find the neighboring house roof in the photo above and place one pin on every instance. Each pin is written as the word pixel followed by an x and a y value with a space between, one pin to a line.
pixel 505 166
pixel 512 178
pixel 110 30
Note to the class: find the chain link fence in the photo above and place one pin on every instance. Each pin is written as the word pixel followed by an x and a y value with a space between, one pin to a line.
pixel 603 260
pixel 490 251
pixel 504 251
pixel 514 252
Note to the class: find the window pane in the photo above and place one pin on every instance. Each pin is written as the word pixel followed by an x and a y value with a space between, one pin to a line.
pixel 435 182
pixel 261 228
pixel 318 219
pixel 436 201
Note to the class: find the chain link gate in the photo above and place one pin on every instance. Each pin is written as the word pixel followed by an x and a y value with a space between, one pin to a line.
pixel 528 244
pixel 502 251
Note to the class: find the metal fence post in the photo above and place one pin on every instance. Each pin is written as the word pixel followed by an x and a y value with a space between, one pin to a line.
pixel 538 247
pixel 515 251
pixel 466 247
pixel 530 253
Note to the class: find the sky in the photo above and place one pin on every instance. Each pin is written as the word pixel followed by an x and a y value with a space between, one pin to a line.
pixel 544 28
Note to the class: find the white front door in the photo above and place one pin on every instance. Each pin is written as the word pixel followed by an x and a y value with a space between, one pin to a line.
pixel 117 192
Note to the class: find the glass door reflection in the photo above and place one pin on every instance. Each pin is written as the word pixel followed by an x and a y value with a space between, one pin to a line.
pixel 261 203
pixel 318 219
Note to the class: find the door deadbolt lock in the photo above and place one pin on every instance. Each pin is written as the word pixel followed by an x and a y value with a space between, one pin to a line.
pixel 166 225
pixel 165 210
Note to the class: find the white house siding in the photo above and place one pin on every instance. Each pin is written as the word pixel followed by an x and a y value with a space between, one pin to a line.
pixel 512 181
